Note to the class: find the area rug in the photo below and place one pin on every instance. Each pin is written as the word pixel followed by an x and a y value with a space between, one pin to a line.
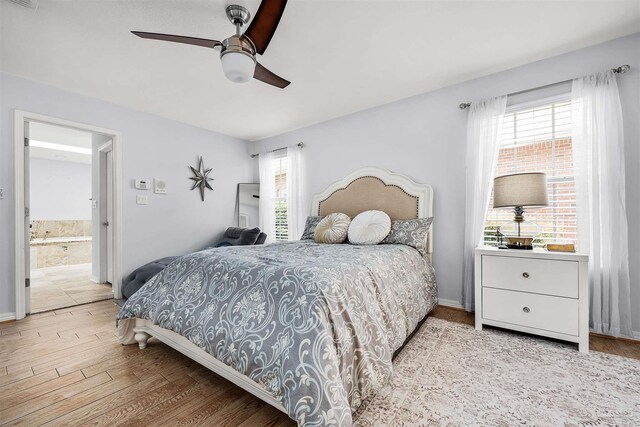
pixel 451 374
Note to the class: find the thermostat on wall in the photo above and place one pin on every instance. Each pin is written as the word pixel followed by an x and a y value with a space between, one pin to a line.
pixel 160 186
pixel 142 184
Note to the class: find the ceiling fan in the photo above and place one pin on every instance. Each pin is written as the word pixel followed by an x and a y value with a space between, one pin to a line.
pixel 238 52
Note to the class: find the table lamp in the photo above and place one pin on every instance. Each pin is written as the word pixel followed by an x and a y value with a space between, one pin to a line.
pixel 518 191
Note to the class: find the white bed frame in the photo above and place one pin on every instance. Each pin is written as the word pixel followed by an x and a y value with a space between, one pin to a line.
pixel 144 329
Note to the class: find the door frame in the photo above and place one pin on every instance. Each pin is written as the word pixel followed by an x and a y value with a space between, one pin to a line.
pixel 103 205
pixel 20 117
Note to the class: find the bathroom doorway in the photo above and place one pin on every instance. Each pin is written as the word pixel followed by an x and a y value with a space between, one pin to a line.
pixel 68 254
pixel 63 195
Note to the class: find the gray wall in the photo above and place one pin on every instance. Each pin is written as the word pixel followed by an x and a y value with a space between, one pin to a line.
pixel 171 224
pixel 59 190
pixel 424 137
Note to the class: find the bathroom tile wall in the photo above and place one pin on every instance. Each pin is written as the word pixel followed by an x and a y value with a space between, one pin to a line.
pixel 56 228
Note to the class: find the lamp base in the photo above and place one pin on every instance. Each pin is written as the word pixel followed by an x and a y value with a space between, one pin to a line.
pixel 524 247
pixel 518 235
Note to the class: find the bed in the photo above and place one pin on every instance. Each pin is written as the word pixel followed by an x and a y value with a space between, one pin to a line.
pixel 309 328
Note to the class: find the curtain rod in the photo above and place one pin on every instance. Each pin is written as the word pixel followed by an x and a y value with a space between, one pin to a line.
pixel 299 144
pixel 620 70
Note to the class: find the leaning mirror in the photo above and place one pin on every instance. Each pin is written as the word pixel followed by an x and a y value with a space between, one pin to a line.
pixel 248 202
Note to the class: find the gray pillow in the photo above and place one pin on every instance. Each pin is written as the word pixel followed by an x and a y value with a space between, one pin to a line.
pixel 237 236
pixel 410 232
pixel 310 227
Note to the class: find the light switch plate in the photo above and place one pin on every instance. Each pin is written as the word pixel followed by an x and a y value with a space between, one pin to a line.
pixel 160 186
pixel 142 184
pixel 142 200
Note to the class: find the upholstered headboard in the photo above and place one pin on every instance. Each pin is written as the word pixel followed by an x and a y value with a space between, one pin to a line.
pixel 375 188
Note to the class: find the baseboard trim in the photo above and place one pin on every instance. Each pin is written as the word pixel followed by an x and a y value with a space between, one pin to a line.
pixel 450 303
pixel 635 339
pixel 5 317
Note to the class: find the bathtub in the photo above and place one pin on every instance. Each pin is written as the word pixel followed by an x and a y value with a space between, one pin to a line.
pixel 57 251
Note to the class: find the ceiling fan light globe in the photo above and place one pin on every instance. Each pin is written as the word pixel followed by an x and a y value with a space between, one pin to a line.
pixel 238 67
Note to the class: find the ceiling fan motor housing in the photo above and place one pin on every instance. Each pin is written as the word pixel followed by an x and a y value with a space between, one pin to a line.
pixel 238 54
pixel 238 44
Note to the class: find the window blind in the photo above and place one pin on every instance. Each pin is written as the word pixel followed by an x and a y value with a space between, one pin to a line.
pixel 538 139
pixel 280 199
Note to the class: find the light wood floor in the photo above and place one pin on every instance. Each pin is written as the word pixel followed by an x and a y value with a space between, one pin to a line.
pixel 65 367
pixel 65 286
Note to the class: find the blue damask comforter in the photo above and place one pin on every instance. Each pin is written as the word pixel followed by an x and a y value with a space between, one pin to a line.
pixel 315 324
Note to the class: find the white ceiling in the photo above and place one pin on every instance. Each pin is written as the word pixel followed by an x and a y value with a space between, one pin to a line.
pixel 341 56
pixel 61 137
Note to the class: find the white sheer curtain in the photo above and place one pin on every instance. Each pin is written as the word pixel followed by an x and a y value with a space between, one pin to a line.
pixel 266 212
pixel 598 156
pixel 295 211
pixel 484 128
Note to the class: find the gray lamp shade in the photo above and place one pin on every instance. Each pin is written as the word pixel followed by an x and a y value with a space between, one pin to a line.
pixel 520 189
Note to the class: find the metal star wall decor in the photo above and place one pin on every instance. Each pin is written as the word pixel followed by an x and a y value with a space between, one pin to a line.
pixel 201 178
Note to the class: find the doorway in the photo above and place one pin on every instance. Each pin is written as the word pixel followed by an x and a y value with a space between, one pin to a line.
pixel 69 251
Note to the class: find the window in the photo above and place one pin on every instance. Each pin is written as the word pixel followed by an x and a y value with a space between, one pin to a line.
pixel 281 215
pixel 538 139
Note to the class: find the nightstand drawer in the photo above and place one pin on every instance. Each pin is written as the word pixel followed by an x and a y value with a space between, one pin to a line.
pixel 541 276
pixel 544 312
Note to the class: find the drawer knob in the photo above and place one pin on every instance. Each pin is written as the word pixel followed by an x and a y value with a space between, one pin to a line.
pixel 525 275
pixel 526 309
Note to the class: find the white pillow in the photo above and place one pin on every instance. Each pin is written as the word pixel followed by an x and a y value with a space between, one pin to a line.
pixel 369 228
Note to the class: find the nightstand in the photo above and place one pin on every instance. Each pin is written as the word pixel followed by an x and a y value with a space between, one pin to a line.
pixel 534 291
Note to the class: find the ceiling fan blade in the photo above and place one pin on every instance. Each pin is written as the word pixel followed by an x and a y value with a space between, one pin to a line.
pixel 179 39
pixel 268 77
pixel 264 24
